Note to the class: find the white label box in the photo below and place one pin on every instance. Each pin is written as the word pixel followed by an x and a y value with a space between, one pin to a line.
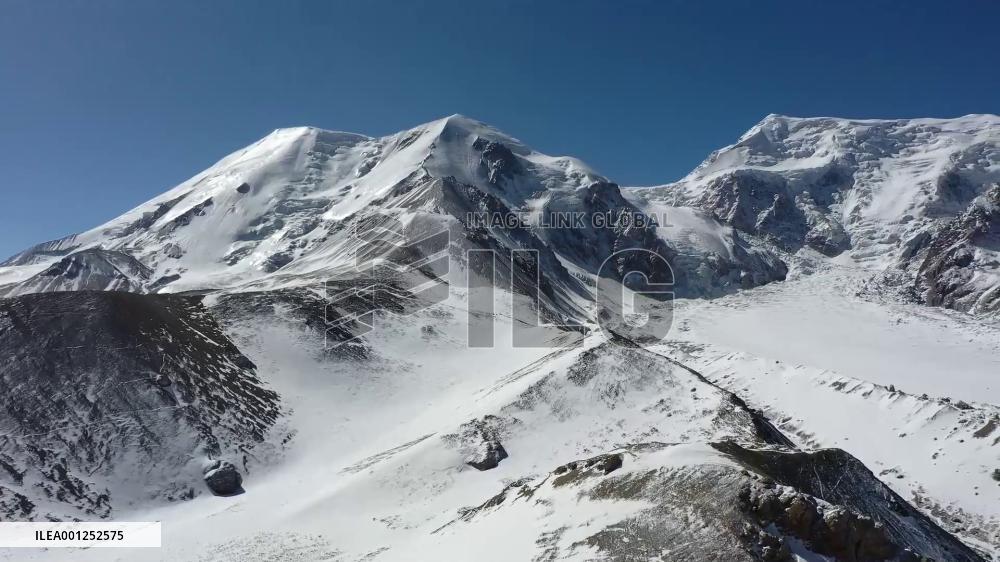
pixel 80 535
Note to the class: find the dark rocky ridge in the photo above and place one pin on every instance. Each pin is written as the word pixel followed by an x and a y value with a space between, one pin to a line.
pixel 703 510
pixel 97 384
pixel 868 521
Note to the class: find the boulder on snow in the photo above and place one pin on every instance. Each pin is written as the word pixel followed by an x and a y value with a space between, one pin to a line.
pixel 479 440
pixel 601 465
pixel 223 478
pixel 488 456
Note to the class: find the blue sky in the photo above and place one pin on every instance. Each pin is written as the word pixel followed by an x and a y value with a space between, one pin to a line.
pixel 104 104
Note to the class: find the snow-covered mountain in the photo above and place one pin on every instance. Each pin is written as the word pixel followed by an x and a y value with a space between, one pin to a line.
pixel 173 364
pixel 92 269
pixel 282 212
pixel 875 191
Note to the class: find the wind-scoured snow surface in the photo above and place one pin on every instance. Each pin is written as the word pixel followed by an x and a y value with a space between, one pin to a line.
pixel 828 390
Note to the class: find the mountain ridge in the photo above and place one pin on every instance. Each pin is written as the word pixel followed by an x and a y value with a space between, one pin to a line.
pixel 282 209
pixel 870 189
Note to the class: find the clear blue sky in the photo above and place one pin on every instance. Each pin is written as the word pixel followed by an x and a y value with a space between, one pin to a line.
pixel 104 104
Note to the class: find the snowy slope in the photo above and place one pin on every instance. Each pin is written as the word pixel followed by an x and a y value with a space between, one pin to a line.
pixel 721 501
pixel 377 468
pixel 911 391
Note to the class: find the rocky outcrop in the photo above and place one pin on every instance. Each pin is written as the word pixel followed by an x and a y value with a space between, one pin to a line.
pixel 961 266
pixel 765 205
pixel 480 441
pixel 696 502
pixel 873 188
pixel 831 531
pixel 832 503
pixel 498 161
pixel 488 456
pixel 758 204
pixel 599 465
pixel 223 478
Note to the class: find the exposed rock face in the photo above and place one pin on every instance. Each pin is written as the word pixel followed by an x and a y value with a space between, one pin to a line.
pixel 488 456
pixel 829 500
pixel 763 204
pixel 771 548
pixel 223 478
pixel 624 227
pixel 599 465
pixel 306 311
pixel 696 505
pixel 826 235
pixel 462 200
pixel 185 218
pixel 276 261
pixel 831 531
pixel 479 440
pixel 961 266
pixel 498 160
pixel 758 204
pixel 94 385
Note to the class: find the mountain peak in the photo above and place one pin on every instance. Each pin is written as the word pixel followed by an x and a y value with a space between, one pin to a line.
pixel 292 134
pixel 459 120
pixel 457 127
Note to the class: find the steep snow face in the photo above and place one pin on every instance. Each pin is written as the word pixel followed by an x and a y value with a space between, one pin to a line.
pixel 233 220
pixel 290 197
